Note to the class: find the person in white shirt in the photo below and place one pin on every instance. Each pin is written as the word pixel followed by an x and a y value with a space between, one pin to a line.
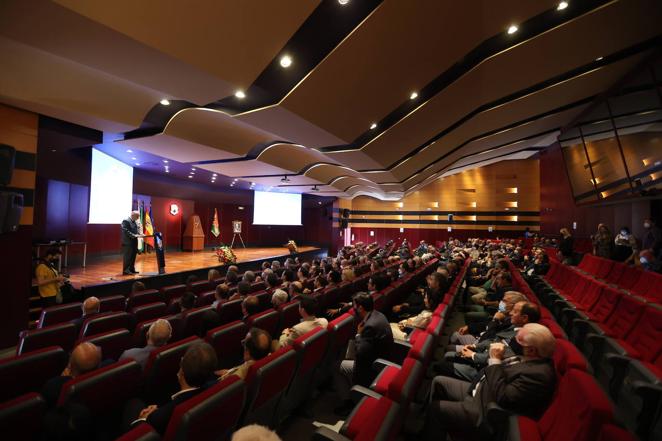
pixel 308 309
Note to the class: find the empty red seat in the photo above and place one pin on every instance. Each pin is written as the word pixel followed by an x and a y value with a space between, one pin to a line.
pixel 227 341
pixel 289 314
pixel 143 298
pixel 172 291
pixel 205 298
pixel 629 277
pixel 148 311
pixel 112 303
pixel 192 321
pixel 21 418
pixel 604 268
pixel 210 415
pixel 257 286
pixel 566 357
pixel 28 372
pixel 649 286
pixel 341 331
pixel 267 381
pixel 106 322
pixel 200 286
pixel 264 298
pixel 267 321
pixel 400 383
pixel 112 343
pixel 63 335
pixel 103 391
pixel 60 314
pixel 615 273
pixel 161 370
pixel 373 419
pixel 229 311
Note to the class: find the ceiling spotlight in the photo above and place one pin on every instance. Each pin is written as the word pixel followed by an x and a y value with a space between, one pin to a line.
pixel 167 171
pixel 413 95
pixel 164 102
pixel 285 179
pixel 373 126
pixel 214 175
pixel 53 150
pixel 165 161
pixel 252 183
pixel 137 163
pixel 343 2
pixel 133 158
pixel 599 59
pixel 129 151
pixel 562 6
pixel 240 94
pixel 285 61
pixel 192 168
pixel 512 29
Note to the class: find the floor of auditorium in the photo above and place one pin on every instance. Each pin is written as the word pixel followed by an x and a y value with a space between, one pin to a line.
pixel 108 269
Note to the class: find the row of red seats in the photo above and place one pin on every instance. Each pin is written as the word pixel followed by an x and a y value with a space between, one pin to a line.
pixel 620 334
pixel 646 284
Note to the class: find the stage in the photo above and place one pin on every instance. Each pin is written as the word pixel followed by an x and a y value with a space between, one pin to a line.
pixel 104 272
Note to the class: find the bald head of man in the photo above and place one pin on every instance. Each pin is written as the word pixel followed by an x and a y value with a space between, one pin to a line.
pixel 159 333
pixel 91 305
pixel 84 358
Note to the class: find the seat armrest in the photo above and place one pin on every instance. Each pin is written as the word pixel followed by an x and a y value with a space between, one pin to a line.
pixel 379 364
pixel 642 373
pixel 513 429
pixel 326 434
pixel 647 391
pixel 359 392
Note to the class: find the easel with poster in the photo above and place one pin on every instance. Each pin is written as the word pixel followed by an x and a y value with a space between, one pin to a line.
pixel 236 231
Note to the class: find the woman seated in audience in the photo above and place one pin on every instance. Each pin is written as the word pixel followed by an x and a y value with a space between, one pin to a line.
pixel 603 242
pixel 432 296
pixel 626 249
pixel 348 274
pixel 213 275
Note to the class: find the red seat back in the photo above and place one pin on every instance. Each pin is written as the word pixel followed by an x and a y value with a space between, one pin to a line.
pixel 267 321
pixel 402 389
pixel 341 331
pixel 172 291
pixel 646 336
pixel 644 284
pixel 60 314
pixel 143 298
pixel 141 432
pixel 205 298
pixel 112 303
pixel 591 295
pixel 162 367
pixel 629 277
pixel 192 320
pixel 106 322
pixel 226 340
pixel 200 286
pixel 289 314
pixel 149 311
pixel 29 372
pixel 625 316
pixel 112 343
pixel 311 348
pixel 615 273
pixel 210 415
pixel 21 418
pixel 604 268
pixel 229 311
pixel 606 304
pixel 567 356
pixel 63 335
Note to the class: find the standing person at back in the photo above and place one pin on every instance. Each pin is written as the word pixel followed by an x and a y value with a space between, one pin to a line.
pixel 373 340
pixel 130 243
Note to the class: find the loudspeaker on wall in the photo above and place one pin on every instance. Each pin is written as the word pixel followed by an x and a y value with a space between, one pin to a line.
pixel 7 158
pixel 11 208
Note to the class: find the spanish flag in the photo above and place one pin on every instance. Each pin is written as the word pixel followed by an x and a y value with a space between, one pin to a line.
pixel 215 230
pixel 149 228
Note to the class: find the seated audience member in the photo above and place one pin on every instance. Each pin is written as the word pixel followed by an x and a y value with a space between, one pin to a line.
pixel 478 292
pixel 250 306
pixel 84 358
pixel 481 330
pixel 255 432
pixel 288 277
pixel 320 283
pixel 334 278
pixel 90 307
pixel 221 295
pixel 303 274
pixel 186 302
pixel 308 310
pixel 522 385
pixel 234 269
pixel 249 276
pixel 196 370
pixel 158 334
pixel 137 286
pixel 243 290
pixel 466 363
pixel 278 298
pixel 213 275
pixel 231 278
pixel 257 345
pixel 208 321
pixel 277 268
pixel 295 289
pixel 412 305
pixel 273 282
pixel 347 275
pixel 266 265
pixel 189 282
pixel 490 303
pixel 432 296
pixel 373 340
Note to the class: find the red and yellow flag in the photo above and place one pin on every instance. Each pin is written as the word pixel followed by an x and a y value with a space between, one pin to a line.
pixel 215 230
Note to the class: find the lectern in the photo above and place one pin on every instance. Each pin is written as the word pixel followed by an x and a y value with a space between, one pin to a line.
pixel 194 235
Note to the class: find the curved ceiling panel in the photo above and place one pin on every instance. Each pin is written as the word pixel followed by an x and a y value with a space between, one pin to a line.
pixel 177 149
pixel 292 156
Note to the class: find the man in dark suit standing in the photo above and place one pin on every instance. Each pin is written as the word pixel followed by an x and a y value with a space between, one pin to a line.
pixel 522 385
pixel 373 340
pixel 130 243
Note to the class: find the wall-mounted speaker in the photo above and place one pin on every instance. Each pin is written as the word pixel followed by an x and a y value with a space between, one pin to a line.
pixel 11 208
pixel 450 217
pixel 7 159
pixel 345 213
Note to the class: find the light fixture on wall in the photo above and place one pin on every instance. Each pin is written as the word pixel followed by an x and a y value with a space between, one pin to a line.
pixel 450 229
pixel 174 209
pixel 372 233
pixel 402 230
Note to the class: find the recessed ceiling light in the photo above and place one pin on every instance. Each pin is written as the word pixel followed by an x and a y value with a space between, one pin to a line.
pixel 599 59
pixel 193 168
pixel 240 94
pixel 165 161
pixel 413 95
pixel 138 163
pixel 373 126
pixel 562 6
pixel 319 202
pixel 165 102
pixel 214 175
pixel 285 61
pixel 129 151
pixel 189 176
pixel 133 158
pixel 512 29
pixel 167 171
pixel 53 150
pixel 343 2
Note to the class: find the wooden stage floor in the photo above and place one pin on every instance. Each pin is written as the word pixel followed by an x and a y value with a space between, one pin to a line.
pixel 108 269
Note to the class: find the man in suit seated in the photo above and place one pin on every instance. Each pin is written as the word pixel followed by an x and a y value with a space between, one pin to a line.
pixel 158 334
pixel 257 345
pixel 522 385
pixel 84 358
pixel 91 307
pixel 308 310
pixel 373 340
pixel 195 372
pixel 250 306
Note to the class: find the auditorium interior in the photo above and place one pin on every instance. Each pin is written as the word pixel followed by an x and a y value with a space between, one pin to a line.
pixel 331 220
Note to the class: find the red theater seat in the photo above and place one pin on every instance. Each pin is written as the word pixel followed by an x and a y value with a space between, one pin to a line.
pixel 611 432
pixel 172 291
pixel 28 372
pixel 192 321
pixel 148 311
pixel 143 298
pixel 161 370
pixel 400 383
pixel 209 416
pixel 227 341
pixel 566 357
pixel 289 314
pixel 63 335
pixel 341 331
pixel 229 311
pixel 112 303
pixel 106 322
pixel 21 418
pixel 267 381
pixel 266 320
pixel 112 343
pixel 141 432
pixel 60 314
pixel 205 298
pixel 200 286
pixel 264 298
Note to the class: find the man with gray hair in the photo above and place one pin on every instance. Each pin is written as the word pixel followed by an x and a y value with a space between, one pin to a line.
pixel 255 432
pixel 523 385
pixel 158 334
pixel 249 276
pixel 278 298
pixel 91 307
pixel 130 237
